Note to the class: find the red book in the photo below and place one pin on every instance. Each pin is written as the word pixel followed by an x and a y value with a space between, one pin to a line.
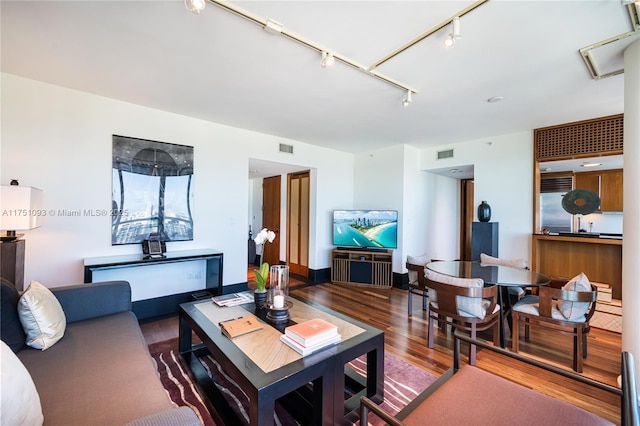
pixel 306 350
pixel 310 332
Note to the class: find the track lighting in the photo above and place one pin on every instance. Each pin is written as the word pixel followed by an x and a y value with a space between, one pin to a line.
pixel 406 101
pixel 327 59
pixel 276 28
pixel 195 6
pixel 450 40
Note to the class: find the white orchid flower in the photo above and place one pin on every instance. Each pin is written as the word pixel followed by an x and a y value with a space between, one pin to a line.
pixel 264 235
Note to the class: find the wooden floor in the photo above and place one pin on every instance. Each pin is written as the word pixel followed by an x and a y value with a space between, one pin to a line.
pixel 407 338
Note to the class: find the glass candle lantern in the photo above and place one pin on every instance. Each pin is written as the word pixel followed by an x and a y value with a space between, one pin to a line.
pixel 277 294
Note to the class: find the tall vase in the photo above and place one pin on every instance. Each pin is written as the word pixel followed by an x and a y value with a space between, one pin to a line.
pixel 277 295
pixel 484 212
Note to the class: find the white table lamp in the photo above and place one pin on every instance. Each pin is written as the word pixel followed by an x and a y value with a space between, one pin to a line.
pixel 20 209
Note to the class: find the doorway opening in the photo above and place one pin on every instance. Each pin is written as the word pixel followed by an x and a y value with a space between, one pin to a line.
pixel 466 217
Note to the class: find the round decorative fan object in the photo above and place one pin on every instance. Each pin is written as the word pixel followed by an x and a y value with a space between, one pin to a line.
pixel 580 201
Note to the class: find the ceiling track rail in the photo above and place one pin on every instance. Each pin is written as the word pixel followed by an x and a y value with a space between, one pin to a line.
pixel 267 24
pixel 426 34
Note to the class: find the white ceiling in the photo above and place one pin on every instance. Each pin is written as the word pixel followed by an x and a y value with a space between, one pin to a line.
pixel 220 67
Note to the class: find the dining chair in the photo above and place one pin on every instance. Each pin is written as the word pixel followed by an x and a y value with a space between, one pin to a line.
pixel 464 304
pixel 415 268
pixel 518 263
pixel 566 310
pixel 514 293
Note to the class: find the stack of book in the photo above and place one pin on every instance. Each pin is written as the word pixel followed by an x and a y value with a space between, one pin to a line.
pixel 310 336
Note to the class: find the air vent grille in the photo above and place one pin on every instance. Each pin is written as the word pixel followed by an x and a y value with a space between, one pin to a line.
pixel 445 154
pixel 603 135
pixel 286 148
pixel 556 184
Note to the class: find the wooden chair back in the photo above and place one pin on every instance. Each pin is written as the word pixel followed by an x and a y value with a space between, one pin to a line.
pixel 548 295
pixel 419 269
pixel 447 299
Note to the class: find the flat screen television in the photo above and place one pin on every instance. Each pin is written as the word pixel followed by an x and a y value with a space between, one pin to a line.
pixel 365 228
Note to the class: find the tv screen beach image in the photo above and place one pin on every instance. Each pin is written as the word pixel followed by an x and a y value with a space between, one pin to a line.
pixel 365 228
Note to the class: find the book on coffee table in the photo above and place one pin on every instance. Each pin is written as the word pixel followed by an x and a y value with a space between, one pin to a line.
pixel 240 326
pixel 307 350
pixel 233 299
pixel 311 332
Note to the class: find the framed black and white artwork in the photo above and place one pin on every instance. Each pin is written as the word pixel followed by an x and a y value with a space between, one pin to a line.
pixel 152 192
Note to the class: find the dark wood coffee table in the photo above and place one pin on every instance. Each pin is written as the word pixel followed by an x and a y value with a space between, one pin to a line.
pixel 266 369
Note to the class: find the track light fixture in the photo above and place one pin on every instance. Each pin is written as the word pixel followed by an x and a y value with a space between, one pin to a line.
pixel 277 28
pixel 327 59
pixel 454 35
pixel 195 6
pixel 406 101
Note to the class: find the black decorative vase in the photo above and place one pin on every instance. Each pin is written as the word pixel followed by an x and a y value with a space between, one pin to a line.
pixel 260 298
pixel 484 212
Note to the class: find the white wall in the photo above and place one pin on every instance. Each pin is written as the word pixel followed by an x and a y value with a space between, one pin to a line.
pixel 442 217
pixel 255 206
pixel 415 212
pixel 59 140
pixel 379 185
pixel 503 175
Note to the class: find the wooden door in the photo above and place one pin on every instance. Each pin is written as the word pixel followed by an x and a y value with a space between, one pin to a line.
pixel 466 217
pixel 271 218
pixel 298 223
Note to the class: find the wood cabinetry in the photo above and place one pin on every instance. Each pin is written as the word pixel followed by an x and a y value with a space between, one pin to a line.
pixel 565 256
pixel 607 184
pixel 611 191
pixel 362 267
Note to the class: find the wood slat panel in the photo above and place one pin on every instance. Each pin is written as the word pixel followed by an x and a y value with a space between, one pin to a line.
pixel 579 139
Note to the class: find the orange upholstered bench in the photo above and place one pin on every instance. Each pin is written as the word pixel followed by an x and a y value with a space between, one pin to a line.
pixel 472 396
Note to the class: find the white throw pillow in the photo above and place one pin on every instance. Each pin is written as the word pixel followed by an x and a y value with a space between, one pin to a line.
pixel 20 399
pixel 485 259
pixel 471 305
pixel 421 260
pixel 575 311
pixel 41 316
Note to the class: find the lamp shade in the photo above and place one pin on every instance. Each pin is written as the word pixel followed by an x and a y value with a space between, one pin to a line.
pixel 20 207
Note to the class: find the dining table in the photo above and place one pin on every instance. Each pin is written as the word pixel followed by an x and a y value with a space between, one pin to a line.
pixel 502 276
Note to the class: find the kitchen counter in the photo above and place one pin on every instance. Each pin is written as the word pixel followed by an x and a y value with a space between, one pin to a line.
pixel 599 257
pixel 583 238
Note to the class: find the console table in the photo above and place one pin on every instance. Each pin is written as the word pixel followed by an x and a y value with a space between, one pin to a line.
pixel 356 266
pixel 149 307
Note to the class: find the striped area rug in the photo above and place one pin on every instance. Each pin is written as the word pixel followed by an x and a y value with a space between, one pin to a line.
pixel 402 383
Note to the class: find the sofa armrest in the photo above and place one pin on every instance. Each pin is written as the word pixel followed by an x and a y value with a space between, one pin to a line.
pixel 182 416
pixel 93 300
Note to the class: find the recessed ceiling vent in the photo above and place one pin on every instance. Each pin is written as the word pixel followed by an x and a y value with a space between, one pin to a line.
pixel 286 148
pixel 605 58
pixel 445 154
